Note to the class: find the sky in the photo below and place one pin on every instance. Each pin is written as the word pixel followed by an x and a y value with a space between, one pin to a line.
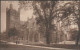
pixel 23 14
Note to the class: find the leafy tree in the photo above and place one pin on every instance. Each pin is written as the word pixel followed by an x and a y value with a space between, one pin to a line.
pixel 12 32
pixel 78 22
pixel 72 8
pixel 3 35
pixel 73 33
pixel 44 11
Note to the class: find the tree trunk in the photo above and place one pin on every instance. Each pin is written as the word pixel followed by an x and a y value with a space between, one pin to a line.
pixel 78 35
pixel 39 37
pixel 33 38
pixel 28 35
pixel 47 35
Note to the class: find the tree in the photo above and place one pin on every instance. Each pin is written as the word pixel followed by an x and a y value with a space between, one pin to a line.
pixel 73 33
pixel 72 8
pixel 77 14
pixel 44 11
pixel 3 35
pixel 13 32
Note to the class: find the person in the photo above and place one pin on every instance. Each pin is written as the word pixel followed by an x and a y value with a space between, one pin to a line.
pixel 16 41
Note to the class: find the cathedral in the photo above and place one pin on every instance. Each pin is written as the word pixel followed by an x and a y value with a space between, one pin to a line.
pixel 12 18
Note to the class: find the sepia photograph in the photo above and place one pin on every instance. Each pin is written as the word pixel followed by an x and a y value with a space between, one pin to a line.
pixel 40 25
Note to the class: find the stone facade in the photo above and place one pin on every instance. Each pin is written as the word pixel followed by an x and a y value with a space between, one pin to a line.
pixel 12 18
pixel 33 30
pixel 30 31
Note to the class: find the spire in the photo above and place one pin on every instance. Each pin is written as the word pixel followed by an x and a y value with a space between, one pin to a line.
pixel 11 6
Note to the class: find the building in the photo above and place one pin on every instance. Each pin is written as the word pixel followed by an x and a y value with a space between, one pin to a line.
pixel 33 35
pixel 12 18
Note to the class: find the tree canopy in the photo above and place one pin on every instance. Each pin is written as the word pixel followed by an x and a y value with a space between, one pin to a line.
pixel 13 32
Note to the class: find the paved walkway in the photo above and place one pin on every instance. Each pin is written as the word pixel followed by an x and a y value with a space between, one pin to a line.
pixel 36 46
